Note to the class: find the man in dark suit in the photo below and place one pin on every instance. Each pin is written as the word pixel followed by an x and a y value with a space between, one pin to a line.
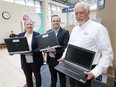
pixel 54 54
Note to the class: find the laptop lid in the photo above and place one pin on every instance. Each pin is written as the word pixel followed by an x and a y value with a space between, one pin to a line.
pixel 17 45
pixel 80 56
pixel 77 60
pixel 47 39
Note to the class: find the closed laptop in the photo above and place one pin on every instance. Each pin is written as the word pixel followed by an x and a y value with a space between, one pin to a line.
pixel 17 45
pixel 48 39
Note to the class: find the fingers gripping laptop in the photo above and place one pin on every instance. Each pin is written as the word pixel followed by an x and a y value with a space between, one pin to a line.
pixel 77 60
pixel 17 45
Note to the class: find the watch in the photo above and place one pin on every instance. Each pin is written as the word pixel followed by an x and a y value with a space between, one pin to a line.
pixel 6 15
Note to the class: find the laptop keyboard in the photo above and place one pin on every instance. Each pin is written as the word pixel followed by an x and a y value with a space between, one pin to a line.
pixel 73 70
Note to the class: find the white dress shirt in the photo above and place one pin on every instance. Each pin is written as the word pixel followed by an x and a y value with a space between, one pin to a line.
pixel 51 54
pixel 29 57
pixel 93 36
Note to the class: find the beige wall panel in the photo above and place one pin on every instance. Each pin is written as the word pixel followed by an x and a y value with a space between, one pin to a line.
pixel 14 23
pixel 108 19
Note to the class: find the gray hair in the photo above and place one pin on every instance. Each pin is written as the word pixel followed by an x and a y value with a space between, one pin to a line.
pixel 85 5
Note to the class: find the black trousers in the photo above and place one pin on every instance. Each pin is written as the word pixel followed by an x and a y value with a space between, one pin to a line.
pixel 53 73
pixel 28 74
pixel 75 83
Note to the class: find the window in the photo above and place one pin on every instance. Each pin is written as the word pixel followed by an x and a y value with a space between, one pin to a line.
pixel 20 2
pixel 30 2
pixel 38 10
pixel 53 7
pixel 59 9
pixel 37 4
pixel 49 15
pixel 8 0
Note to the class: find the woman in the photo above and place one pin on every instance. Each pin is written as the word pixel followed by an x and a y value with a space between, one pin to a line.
pixel 31 62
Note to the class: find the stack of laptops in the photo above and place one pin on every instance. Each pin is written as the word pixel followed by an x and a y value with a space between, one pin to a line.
pixel 48 39
pixel 77 60
pixel 17 45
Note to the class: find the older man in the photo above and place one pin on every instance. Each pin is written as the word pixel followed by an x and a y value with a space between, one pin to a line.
pixel 93 36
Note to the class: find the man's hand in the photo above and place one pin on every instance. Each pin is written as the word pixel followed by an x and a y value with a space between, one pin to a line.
pixel 61 59
pixel 89 75
pixel 49 49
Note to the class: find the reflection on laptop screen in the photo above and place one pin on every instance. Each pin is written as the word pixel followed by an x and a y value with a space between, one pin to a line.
pixel 80 56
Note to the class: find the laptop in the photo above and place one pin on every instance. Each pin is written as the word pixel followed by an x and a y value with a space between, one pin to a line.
pixel 17 45
pixel 48 39
pixel 77 60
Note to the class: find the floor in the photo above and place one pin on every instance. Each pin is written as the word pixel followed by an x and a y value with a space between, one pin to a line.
pixel 11 74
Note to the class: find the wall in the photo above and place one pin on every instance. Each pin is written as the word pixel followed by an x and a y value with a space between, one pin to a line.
pixel 15 11
pixel 45 6
pixel 14 23
pixel 115 38
pixel 93 14
pixel 108 19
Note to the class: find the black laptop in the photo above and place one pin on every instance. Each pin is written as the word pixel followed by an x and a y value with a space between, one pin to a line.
pixel 17 45
pixel 48 39
pixel 77 60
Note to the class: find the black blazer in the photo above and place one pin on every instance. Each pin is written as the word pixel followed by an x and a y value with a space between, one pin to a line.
pixel 37 55
pixel 63 38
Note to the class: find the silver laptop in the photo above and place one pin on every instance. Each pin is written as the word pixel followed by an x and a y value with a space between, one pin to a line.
pixel 48 39
pixel 77 60
pixel 17 45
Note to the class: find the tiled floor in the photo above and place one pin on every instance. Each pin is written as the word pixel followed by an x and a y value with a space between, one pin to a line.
pixel 11 75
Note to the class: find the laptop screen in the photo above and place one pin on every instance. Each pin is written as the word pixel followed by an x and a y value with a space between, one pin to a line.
pixel 80 56
pixel 16 44
pixel 47 39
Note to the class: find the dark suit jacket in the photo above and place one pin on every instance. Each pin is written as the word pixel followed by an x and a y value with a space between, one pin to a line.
pixel 37 55
pixel 63 38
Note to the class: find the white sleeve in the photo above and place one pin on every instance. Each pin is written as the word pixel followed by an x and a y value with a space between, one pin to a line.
pixel 104 46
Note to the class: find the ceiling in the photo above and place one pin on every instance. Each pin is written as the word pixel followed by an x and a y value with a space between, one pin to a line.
pixel 73 2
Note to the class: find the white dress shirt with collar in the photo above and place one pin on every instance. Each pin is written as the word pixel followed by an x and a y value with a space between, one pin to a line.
pixel 93 36
pixel 29 57
pixel 56 30
pixel 51 54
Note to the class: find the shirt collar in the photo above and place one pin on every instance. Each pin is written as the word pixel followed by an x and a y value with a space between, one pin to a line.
pixel 56 30
pixel 83 25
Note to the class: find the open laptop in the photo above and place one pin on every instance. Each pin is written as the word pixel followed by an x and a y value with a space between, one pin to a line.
pixel 17 45
pixel 77 60
pixel 48 39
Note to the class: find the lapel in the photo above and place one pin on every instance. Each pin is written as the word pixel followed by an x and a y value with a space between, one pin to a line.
pixel 59 33
pixel 32 42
